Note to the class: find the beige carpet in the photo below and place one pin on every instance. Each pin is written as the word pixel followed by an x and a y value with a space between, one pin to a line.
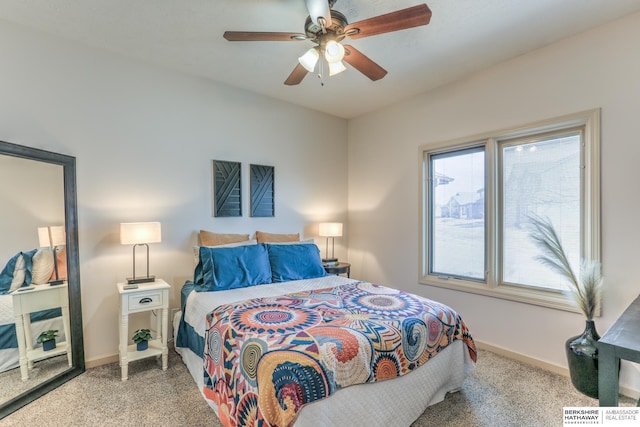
pixel 11 380
pixel 501 393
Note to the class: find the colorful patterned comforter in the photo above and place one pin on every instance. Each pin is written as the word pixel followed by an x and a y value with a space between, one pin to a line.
pixel 265 358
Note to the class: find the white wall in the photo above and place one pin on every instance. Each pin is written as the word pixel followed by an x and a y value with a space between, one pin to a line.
pixel 144 139
pixel 32 196
pixel 594 69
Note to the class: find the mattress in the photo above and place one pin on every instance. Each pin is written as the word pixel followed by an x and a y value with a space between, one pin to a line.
pixel 393 402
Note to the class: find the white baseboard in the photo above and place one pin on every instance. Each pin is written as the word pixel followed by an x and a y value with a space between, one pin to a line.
pixel 556 369
pixel 94 363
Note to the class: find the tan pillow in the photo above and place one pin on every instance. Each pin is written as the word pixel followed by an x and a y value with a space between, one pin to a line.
pixel 263 237
pixel 207 238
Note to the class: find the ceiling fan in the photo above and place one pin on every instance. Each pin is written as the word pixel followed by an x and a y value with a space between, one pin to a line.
pixel 327 28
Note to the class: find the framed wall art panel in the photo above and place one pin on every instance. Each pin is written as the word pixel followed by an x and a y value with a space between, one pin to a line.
pixel 227 194
pixel 262 191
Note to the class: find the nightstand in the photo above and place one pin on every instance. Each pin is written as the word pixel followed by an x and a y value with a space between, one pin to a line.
pixel 147 297
pixel 32 299
pixel 339 268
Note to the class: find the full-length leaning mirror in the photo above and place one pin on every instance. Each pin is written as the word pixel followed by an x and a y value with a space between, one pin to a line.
pixel 39 274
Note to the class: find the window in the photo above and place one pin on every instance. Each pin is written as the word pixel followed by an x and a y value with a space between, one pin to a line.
pixel 479 193
pixel 457 214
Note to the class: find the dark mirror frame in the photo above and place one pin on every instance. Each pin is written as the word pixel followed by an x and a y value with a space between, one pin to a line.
pixel 68 164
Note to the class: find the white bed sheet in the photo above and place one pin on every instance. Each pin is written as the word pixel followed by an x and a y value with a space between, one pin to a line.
pixel 396 402
pixel 6 309
pixel 201 303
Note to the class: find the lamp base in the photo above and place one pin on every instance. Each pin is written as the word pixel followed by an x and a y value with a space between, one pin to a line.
pixel 56 282
pixel 143 279
pixel 328 262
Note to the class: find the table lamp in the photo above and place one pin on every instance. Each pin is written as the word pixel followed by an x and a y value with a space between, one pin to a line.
pixel 330 230
pixel 139 234
pixel 52 237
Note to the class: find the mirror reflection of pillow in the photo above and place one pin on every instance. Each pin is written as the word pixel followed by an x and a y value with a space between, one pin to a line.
pixel 7 274
pixel 42 266
pixel 12 273
pixel 61 257
pixel 18 273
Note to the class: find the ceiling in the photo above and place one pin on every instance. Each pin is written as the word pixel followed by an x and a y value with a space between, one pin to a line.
pixel 464 36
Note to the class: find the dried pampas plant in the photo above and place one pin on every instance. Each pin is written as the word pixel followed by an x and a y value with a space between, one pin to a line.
pixel 588 286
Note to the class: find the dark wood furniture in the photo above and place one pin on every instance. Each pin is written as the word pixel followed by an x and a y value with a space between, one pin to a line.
pixel 621 341
pixel 339 268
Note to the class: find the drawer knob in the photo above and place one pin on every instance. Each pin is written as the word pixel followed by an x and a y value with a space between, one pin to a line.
pixel 146 300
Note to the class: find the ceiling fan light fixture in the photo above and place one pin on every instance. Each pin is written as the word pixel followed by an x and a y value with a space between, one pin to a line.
pixel 336 68
pixel 327 27
pixel 333 52
pixel 309 59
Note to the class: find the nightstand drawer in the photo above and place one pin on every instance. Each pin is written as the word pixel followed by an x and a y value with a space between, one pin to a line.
pixel 145 300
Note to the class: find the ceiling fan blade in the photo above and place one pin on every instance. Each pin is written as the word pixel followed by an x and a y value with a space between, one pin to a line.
pixel 363 63
pixel 257 36
pixel 296 76
pixel 394 21
pixel 319 9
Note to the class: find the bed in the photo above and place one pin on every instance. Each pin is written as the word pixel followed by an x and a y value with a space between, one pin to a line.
pixel 25 269
pixel 323 350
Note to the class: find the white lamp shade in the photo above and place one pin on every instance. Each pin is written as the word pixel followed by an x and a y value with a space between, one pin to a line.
pixel 52 236
pixel 334 52
pixel 336 68
pixel 309 59
pixel 330 229
pixel 133 233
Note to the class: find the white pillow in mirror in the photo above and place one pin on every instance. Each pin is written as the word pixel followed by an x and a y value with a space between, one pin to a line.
pixel 42 266
pixel 19 272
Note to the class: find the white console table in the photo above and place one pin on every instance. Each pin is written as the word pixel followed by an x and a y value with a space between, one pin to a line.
pixel 146 297
pixel 27 301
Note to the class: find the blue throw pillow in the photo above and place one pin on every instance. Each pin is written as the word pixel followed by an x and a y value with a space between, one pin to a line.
pixel 294 262
pixel 6 276
pixel 220 269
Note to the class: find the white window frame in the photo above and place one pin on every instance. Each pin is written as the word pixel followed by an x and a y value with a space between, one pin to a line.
pixel 589 124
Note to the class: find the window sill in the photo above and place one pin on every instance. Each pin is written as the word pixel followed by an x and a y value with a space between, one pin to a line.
pixel 551 299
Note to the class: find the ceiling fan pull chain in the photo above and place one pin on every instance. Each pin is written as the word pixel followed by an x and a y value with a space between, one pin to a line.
pixel 320 69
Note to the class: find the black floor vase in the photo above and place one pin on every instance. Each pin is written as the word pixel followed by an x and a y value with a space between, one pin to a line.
pixel 582 356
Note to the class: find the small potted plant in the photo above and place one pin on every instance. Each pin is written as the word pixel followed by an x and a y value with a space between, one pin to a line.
pixel 48 339
pixel 141 338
